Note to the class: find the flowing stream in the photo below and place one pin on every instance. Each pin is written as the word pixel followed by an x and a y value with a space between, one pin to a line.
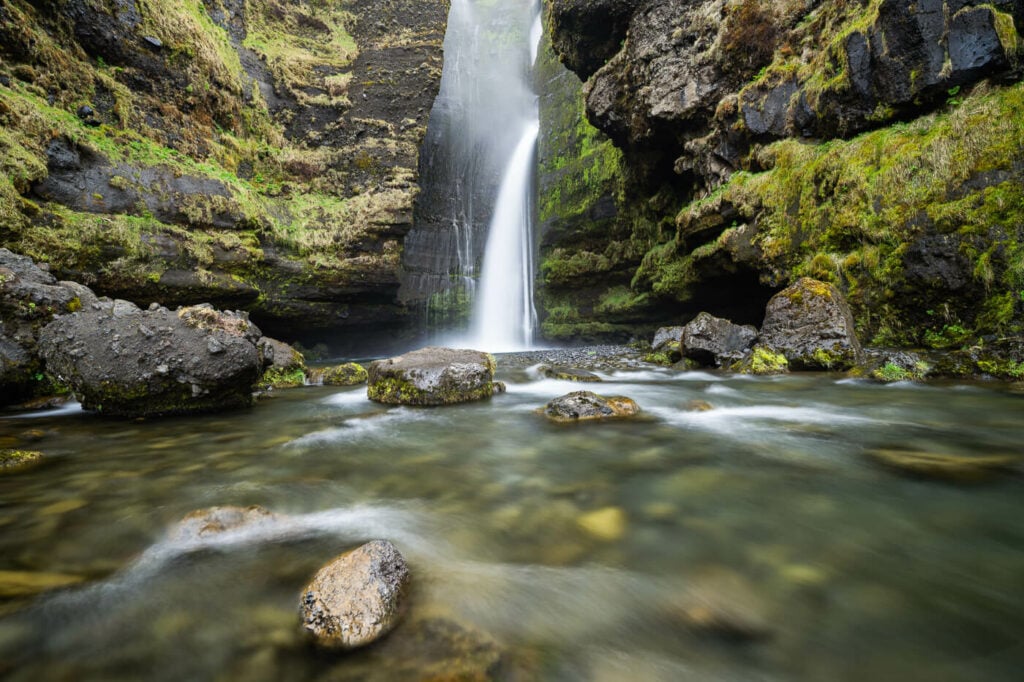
pixel 595 552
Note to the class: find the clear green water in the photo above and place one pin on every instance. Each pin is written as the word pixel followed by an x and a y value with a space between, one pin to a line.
pixel 855 572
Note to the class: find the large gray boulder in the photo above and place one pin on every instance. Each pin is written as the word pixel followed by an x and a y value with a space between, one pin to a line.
pixel 811 324
pixel 432 376
pixel 712 340
pixel 587 406
pixel 128 362
pixel 30 298
pixel 357 598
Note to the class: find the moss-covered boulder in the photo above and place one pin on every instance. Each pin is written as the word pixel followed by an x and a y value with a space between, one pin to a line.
pixel 587 406
pixel 357 598
pixel 127 362
pixel 284 367
pixel 347 374
pixel 811 324
pixel 714 341
pixel 432 376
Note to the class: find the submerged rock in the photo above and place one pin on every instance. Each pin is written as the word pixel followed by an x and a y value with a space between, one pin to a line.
pixel 586 406
pixel 348 374
pixel 357 598
pixel 429 649
pixel 569 374
pixel 128 362
pixel 712 340
pixel 432 376
pixel 203 523
pixel 608 523
pixel 29 583
pixel 719 602
pixel 16 460
pixel 945 467
pixel 811 324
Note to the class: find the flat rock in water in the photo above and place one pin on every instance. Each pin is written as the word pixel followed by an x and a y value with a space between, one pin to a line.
pixel 944 467
pixel 205 522
pixel 432 376
pixel 568 374
pixel 348 374
pixel 587 406
pixel 357 598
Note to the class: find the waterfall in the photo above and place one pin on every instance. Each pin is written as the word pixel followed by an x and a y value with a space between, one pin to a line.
pixel 477 179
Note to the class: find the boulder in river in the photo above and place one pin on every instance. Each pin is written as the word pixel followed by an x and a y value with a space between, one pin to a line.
pixel 811 324
pixel 587 406
pixel 715 341
pixel 666 340
pixel 347 374
pixel 283 366
pixel 432 376
pixel 357 598
pixel 128 362
pixel 719 602
pixel 30 298
pixel 17 460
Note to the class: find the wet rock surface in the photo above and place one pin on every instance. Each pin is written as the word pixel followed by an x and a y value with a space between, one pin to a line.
pixel 568 374
pixel 587 406
pixel 347 374
pixel 128 362
pixel 357 598
pixel 432 376
pixel 811 324
pixel 711 340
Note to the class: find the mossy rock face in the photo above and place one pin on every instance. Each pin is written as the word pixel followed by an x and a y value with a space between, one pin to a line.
pixel 569 374
pixel 16 460
pixel 432 376
pixel 587 406
pixel 348 374
pixel 811 324
pixel 946 467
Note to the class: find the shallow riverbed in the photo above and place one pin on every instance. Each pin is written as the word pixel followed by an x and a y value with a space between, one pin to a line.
pixel 591 552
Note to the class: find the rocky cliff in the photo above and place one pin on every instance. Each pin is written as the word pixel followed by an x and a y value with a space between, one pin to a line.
pixel 874 144
pixel 254 154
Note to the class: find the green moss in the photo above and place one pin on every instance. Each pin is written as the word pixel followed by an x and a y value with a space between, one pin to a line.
pixel 661 358
pixel 396 391
pixel 348 374
pixel 13 460
pixel 1002 368
pixel 280 377
pixel 762 361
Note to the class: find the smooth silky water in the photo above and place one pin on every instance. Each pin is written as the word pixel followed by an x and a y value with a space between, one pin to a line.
pixel 858 573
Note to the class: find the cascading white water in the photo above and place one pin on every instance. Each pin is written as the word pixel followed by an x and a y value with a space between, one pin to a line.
pixel 504 316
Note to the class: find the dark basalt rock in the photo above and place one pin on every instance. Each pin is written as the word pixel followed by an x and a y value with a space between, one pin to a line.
pixel 30 298
pixel 811 324
pixel 357 598
pixel 127 362
pixel 711 340
pixel 568 374
pixel 587 33
pixel 432 376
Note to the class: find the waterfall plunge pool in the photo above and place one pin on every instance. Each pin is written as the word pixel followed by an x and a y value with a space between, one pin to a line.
pixel 593 552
